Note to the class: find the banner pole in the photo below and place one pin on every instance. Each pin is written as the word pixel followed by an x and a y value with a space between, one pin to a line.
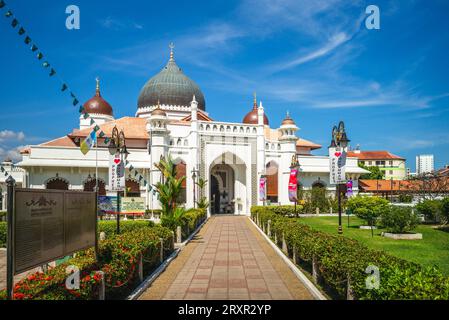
pixel 10 243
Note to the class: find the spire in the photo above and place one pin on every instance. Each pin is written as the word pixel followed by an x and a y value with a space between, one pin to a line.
pixel 255 101
pixel 97 89
pixel 171 46
pixel 194 98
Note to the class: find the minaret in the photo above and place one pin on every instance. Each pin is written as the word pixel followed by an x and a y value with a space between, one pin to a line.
pixel 158 133
pixel 194 147
pixel 288 151
pixel 260 143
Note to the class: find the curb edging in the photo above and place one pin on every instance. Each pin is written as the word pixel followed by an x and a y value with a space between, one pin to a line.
pixel 298 273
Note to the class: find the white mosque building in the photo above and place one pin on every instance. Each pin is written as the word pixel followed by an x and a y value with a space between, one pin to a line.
pixel 171 119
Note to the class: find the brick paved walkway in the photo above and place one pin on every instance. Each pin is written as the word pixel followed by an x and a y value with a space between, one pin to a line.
pixel 228 259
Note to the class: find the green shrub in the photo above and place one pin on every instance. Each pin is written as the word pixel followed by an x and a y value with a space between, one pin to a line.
pixel 445 209
pixel 110 226
pixel 3 234
pixel 367 208
pixel 340 258
pixel 118 259
pixel 3 215
pixel 399 219
pixel 431 209
pixel 405 198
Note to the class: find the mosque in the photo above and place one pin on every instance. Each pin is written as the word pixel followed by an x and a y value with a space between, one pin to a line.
pixel 171 119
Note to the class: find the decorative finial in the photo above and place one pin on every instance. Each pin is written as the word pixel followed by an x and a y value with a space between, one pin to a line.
pixel 158 104
pixel 171 46
pixel 288 114
pixel 255 100
pixel 97 89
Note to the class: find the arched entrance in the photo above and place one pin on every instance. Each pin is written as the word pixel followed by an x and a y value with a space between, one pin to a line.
pixel 228 192
pixel 222 189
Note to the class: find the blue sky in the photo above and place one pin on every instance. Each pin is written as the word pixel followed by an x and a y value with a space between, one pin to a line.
pixel 313 58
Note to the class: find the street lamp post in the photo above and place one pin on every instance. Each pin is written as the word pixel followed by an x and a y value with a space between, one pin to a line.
pixel 194 187
pixel 118 145
pixel 341 141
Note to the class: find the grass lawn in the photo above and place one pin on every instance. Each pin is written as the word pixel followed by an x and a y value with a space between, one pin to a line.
pixel 433 249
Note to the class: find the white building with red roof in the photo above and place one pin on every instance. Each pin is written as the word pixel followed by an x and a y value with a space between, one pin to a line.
pixel 171 119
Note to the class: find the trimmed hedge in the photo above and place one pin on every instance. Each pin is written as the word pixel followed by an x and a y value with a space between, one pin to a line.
pixel 3 234
pixel 118 258
pixel 110 226
pixel 191 220
pixel 340 260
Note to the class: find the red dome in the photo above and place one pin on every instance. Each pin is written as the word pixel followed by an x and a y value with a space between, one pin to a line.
pixel 252 117
pixel 97 104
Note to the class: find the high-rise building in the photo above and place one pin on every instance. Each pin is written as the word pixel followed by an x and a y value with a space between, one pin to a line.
pixel 424 163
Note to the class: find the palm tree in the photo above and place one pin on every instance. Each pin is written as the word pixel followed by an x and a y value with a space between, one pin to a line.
pixel 169 191
pixel 202 202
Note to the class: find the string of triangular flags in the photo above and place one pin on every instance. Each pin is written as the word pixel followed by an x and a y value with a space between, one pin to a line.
pixel 64 88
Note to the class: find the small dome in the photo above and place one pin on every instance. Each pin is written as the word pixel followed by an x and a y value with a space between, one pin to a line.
pixel 158 111
pixel 171 87
pixel 288 121
pixel 252 116
pixel 97 105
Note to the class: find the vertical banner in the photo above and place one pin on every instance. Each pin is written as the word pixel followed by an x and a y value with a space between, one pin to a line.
pixel 263 189
pixel 337 158
pixel 349 192
pixel 293 185
pixel 116 173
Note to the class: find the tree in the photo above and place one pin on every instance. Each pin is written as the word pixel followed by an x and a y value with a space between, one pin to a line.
pixel 445 210
pixel 169 191
pixel 399 219
pixel 374 173
pixel 367 208
pixel 202 202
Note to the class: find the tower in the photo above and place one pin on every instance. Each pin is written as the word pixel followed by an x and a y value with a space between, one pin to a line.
pixel 288 152
pixel 158 145
pixel 98 109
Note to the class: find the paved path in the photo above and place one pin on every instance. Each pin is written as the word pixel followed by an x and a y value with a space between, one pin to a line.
pixel 3 270
pixel 228 259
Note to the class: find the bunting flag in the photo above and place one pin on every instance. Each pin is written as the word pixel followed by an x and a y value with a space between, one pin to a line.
pixel 90 140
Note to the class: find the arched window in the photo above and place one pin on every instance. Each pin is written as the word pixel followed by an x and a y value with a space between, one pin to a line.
pixel 57 184
pixel 181 171
pixel 89 185
pixel 318 184
pixel 272 181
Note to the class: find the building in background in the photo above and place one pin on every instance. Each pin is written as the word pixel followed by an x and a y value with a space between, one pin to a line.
pixel 391 165
pixel 424 163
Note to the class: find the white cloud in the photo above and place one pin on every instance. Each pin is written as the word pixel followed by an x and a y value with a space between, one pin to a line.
pixel 9 135
pixel 12 154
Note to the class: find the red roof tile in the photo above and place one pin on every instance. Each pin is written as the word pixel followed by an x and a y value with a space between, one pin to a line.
pixel 373 155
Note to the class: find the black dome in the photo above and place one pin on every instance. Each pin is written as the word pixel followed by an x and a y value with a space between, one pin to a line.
pixel 171 87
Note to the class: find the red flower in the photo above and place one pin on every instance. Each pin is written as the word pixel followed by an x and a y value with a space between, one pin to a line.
pixel 49 278
pixel 18 296
pixel 32 277
pixel 118 283
pixel 97 277
pixel 87 278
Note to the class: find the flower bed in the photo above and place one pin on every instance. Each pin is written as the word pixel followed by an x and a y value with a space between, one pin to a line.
pixel 119 257
pixel 191 220
pixel 339 259
pixel 109 227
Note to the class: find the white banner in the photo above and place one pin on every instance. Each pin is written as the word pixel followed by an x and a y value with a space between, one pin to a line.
pixel 337 160
pixel 116 173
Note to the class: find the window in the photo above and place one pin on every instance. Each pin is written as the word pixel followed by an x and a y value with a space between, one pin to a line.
pixel 391 163
pixel 391 172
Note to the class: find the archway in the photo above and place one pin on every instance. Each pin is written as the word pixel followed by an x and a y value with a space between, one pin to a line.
pixel 228 173
pixel 57 184
pixel 222 189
